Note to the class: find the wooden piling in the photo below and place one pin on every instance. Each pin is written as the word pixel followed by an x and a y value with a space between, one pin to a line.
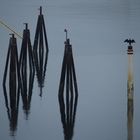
pixel 130 90
pixel 40 49
pixel 12 99
pixel 68 92
pixel 27 69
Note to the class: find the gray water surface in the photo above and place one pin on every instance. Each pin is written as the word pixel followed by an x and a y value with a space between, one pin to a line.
pixel 97 30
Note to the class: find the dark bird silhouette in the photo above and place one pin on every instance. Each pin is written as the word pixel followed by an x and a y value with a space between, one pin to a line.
pixel 130 41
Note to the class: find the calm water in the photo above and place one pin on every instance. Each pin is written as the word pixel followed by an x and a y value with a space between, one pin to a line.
pixel 97 30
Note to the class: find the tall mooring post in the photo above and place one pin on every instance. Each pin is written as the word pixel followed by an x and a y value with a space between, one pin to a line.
pixel 68 99
pixel 130 90
pixel 12 99
pixel 40 50
pixel 130 81
pixel 27 69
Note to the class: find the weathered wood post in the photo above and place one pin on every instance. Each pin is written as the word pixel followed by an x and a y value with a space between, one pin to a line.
pixel 130 82
pixel 130 90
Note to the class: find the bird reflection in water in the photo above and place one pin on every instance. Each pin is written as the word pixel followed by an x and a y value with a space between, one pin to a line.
pixel 12 99
pixel 68 99
pixel 40 50
pixel 26 64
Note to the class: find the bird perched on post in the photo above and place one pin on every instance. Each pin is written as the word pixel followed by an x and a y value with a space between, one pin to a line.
pixel 130 41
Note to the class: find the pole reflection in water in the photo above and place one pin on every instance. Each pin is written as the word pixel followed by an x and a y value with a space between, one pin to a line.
pixel 26 65
pixel 12 99
pixel 130 91
pixel 40 50
pixel 68 101
pixel 130 110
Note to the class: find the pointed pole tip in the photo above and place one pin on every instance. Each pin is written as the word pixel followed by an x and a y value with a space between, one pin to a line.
pixel 40 9
pixel 12 34
pixel 65 30
pixel 26 25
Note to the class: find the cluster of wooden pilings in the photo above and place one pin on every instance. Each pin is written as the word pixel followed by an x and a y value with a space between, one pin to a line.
pixel 68 92
pixel 26 63
pixel 12 99
pixel 40 50
pixel 20 71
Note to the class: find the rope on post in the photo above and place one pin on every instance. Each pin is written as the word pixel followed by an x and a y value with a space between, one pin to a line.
pixel 9 28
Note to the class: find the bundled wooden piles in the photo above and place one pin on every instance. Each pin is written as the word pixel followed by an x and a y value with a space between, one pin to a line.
pixel 22 71
pixel 68 98
pixel 12 99
pixel 41 50
pixel 26 63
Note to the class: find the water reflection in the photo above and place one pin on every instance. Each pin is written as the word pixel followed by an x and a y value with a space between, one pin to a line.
pixel 12 105
pixel 12 99
pixel 40 50
pixel 26 65
pixel 130 111
pixel 68 100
